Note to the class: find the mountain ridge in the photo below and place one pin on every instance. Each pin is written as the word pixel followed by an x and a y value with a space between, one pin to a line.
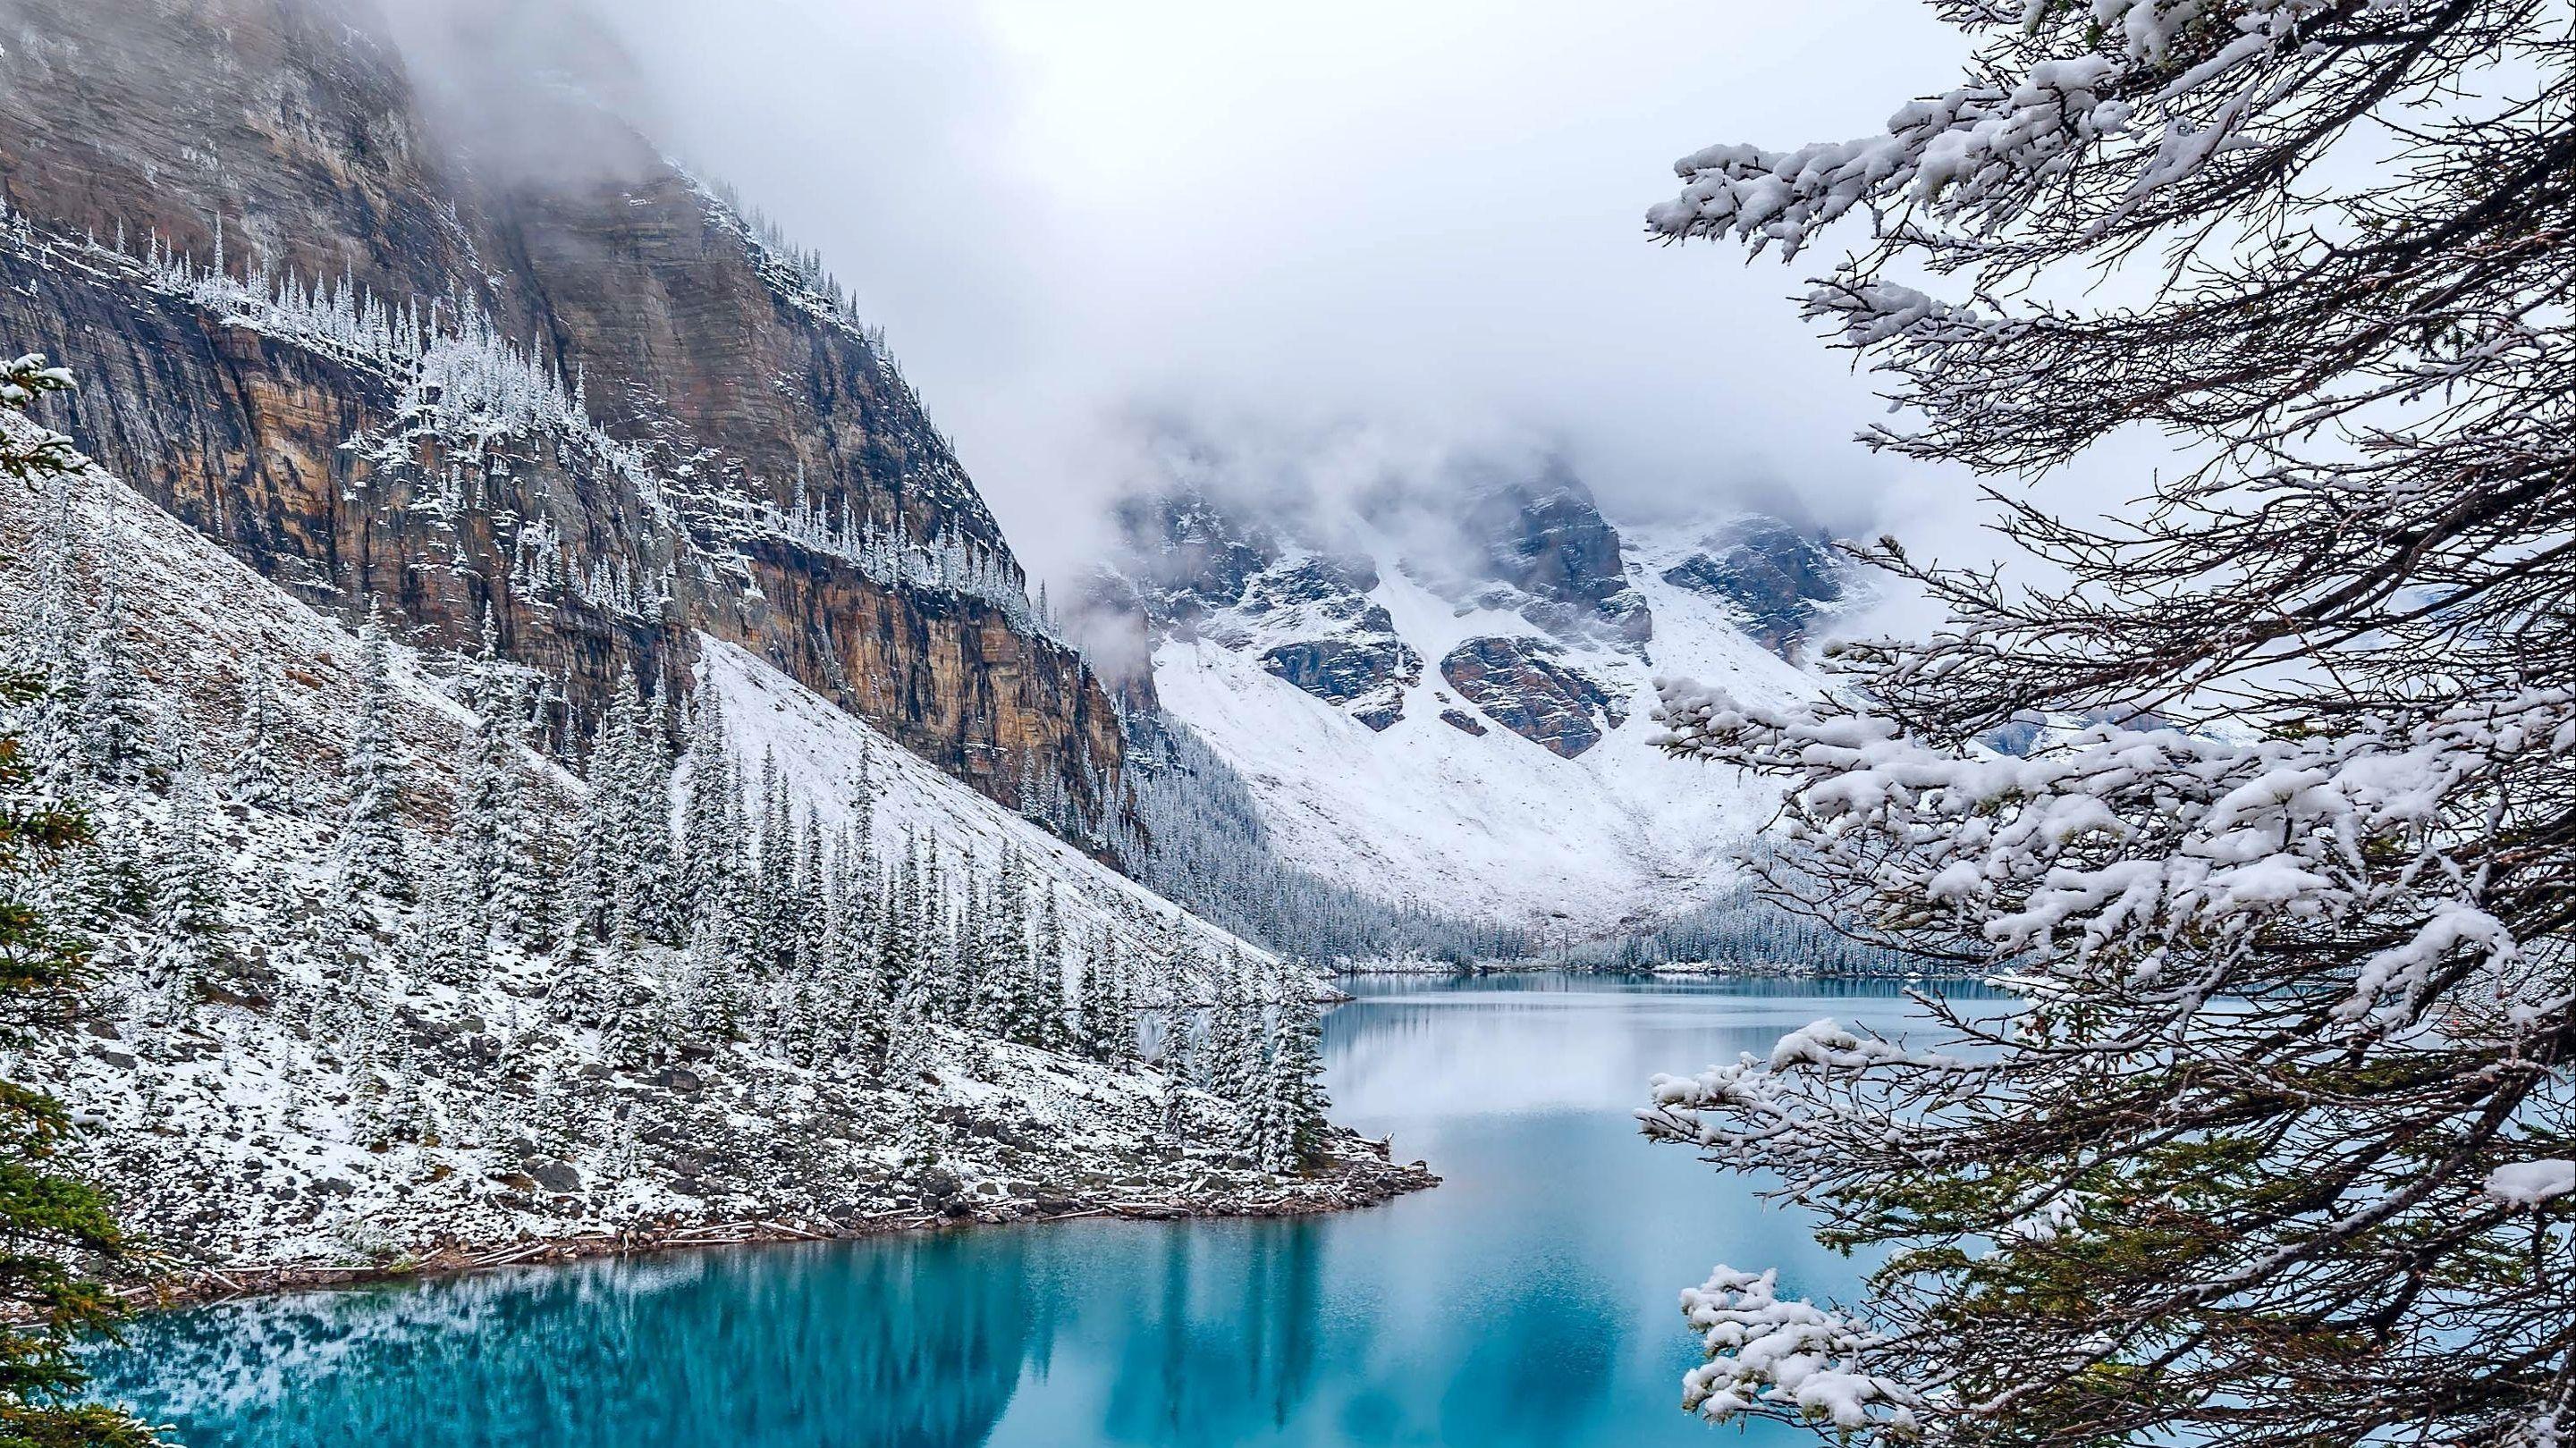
pixel 597 404
pixel 1455 716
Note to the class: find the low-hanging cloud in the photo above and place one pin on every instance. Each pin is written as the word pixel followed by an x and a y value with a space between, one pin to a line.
pixel 1335 219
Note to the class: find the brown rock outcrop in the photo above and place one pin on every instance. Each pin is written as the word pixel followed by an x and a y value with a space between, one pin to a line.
pixel 737 430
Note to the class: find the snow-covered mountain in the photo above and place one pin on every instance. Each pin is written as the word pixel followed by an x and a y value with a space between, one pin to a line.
pixel 1445 700
pixel 572 753
pixel 273 1071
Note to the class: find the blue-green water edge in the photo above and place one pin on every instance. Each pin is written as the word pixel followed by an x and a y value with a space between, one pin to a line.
pixel 1529 1300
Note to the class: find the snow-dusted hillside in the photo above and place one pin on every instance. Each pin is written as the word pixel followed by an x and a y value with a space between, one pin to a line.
pixel 1466 728
pixel 277 1068
pixel 822 752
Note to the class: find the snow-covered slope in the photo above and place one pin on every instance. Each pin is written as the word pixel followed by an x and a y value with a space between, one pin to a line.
pixel 822 751
pixel 1480 744
pixel 302 1078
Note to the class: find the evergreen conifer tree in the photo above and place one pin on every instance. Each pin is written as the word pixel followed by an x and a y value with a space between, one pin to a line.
pixel 606 831
pixel 773 885
pixel 2273 1149
pixel 1122 1042
pixel 657 903
pixel 516 843
pixel 1230 1064
pixel 48 649
pixel 706 848
pixel 253 778
pixel 898 946
pixel 369 852
pixel 1004 961
pixel 908 1038
pixel 1098 1019
pixel 50 1218
pixel 1298 1069
pixel 1048 1004
pixel 1262 1128
pixel 935 955
pixel 186 881
pixel 444 938
pixel 482 775
pixel 116 728
pixel 809 917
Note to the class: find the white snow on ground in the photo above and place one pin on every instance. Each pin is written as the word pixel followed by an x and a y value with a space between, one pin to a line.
pixel 1496 826
pixel 248 1125
pixel 819 747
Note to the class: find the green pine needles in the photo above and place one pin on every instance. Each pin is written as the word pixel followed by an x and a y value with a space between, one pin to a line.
pixel 54 1227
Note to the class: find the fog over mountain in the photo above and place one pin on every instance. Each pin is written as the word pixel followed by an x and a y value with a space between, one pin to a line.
pixel 1417 225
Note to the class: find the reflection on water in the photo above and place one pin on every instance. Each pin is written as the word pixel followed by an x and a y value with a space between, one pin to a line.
pixel 1530 1300
pixel 912 1343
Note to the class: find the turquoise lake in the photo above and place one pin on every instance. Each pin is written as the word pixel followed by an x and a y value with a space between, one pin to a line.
pixel 1530 1300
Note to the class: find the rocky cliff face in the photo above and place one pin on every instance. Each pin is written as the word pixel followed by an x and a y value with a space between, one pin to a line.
pixel 1551 557
pixel 1780 579
pixel 578 391
pixel 1519 684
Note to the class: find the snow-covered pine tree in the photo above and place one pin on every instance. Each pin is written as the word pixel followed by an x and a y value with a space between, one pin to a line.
pixel 590 985
pixel 1264 1129
pixel 1172 970
pixel 252 778
pixel 1100 1023
pixel 621 790
pixel 866 1013
pixel 855 1026
pixel 864 788
pixel 934 940
pixel 1011 973
pixel 1051 1009
pixel 899 941
pixel 774 907
pixel 2280 1147
pixel 53 1224
pixel 741 904
pixel 1120 1038
pixel 445 940
pixel 48 650
pixel 368 858
pixel 908 1036
pixel 1231 1062
pixel 483 770
pixel 719 984
pixel 1297 1068
pixel 706 849
pixel 116 729
pixel 657 905
pixel 985 983
pixel 523 908
pixel 187 880
pixel 810 919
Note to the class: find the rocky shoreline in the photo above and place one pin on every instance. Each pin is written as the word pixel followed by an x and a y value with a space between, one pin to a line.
pixel 1358 1173
pixel 1686 969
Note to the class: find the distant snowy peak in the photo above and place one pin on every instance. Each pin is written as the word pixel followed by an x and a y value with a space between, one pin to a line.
pixel 1553 559
pixel 1445 698
pixel 1558 594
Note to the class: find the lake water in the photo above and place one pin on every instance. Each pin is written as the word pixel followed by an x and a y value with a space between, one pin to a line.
pixel 1530 1300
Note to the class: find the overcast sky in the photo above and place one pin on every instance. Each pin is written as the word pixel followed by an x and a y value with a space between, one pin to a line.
pixel 1421 217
